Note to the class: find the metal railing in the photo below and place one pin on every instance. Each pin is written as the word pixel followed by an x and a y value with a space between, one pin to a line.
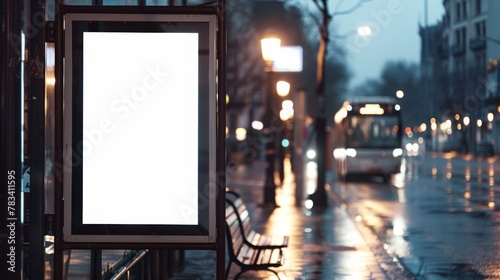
pixel 123 266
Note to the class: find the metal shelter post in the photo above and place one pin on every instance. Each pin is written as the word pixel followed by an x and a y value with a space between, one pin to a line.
pixel 11 109
pixel 221 138
pixel 220 52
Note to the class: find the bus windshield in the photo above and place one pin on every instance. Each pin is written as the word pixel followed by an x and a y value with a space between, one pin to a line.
pixel 373 131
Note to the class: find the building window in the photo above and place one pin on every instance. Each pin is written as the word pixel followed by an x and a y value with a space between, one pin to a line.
pixel 457 11
pixel 478 7
pixel 480 28
pixel 464 35
pixel 460 36
pixel 464 9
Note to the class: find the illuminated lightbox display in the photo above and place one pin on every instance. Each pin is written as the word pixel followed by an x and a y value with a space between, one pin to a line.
pixel 139 128
pixel 137 99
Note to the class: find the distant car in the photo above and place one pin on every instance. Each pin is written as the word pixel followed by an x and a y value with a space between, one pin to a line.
pixel 485 149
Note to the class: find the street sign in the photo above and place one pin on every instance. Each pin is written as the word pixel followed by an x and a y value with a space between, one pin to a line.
pixel 289 59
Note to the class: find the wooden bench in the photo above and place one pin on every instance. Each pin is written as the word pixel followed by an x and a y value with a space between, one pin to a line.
pixel 251 237
pixel 248 257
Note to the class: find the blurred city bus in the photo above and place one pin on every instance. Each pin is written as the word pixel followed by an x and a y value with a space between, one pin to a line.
pixel 367 137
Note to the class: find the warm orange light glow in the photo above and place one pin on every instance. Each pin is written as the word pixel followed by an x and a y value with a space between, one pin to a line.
pixel 340 115
pixel 241 134
pixel 490 117
pixel 371 109
pixel 283 88
pixel 422 127
pixel 466 121
pixel 400 94
pixel 270 48
pixel 434 171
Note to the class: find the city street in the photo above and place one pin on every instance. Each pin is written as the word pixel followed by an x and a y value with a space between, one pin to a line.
pixel 440 219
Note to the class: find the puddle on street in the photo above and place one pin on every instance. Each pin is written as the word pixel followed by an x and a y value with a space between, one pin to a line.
pixel 463 271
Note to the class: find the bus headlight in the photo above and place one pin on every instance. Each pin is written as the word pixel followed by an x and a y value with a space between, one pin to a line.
pixel 342 153
pixel 397 152
pixel 350 152
pixel 339 153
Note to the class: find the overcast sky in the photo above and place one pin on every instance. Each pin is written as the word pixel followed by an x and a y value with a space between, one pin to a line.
pixel 395 25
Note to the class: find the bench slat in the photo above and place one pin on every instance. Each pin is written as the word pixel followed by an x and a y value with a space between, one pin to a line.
pixel 247 255
pixel 270 256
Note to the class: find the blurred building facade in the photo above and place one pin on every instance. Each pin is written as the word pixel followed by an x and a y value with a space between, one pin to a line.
pixel 247 82
pixel 459 60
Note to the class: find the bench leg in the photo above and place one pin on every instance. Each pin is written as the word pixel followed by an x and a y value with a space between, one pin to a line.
pixel 239 273
pixel 275 273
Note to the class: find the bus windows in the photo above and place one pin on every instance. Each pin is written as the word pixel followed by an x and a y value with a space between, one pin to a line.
pixel 373 132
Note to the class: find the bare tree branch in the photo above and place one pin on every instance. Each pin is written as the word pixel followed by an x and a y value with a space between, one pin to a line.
pixel 339 3
pixel 316 3
pixel 317 22
pixel 350 10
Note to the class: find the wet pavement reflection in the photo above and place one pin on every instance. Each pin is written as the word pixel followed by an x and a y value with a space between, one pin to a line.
pixel 440 217
pixel 324 244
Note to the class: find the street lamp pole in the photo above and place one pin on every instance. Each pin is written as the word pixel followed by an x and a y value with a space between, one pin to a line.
pixel 282 89
pixel 496 41
pixel 270 48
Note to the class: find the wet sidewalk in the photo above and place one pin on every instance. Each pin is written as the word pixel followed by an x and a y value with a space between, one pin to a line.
pixel 324 244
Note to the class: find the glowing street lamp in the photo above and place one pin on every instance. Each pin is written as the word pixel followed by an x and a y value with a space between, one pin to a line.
pixel 270 48
pixel 466 120
pixel 400 94
pixel 287 111
pixel 479 123
pixel 364 30
pixel 490 117
pixel 283 88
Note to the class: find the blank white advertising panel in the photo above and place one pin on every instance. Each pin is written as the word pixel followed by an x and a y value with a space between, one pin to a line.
pixel 150 107
pixel 139 128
